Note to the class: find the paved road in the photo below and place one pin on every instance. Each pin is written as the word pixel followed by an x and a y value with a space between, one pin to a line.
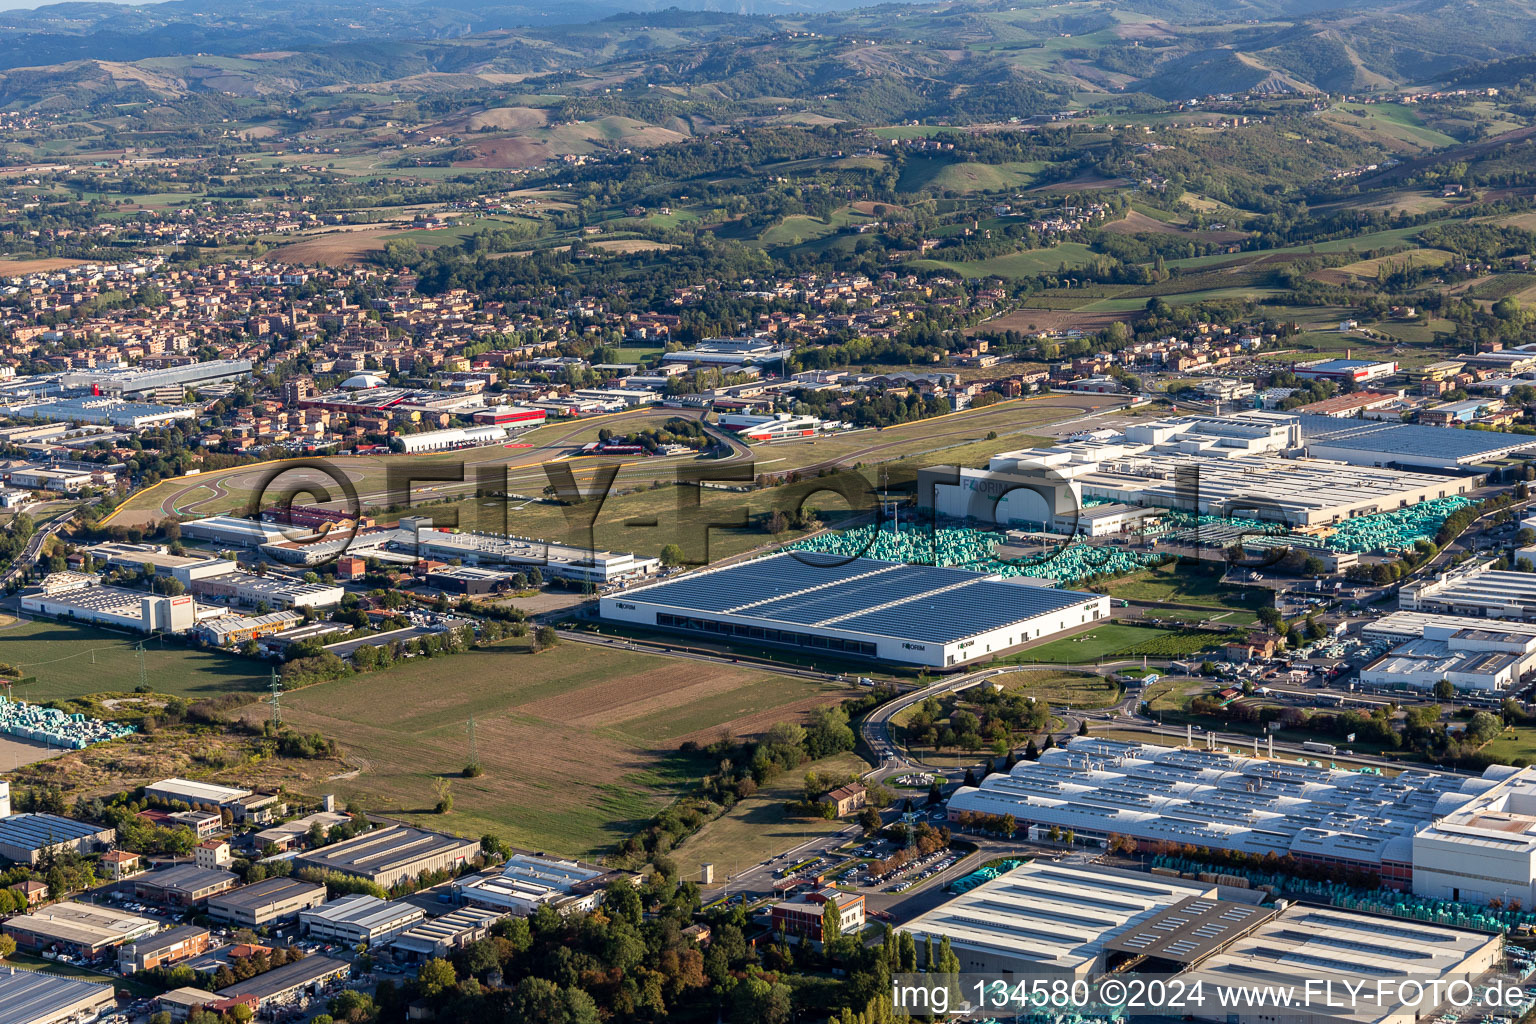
pixel 876 727
pixel 29 555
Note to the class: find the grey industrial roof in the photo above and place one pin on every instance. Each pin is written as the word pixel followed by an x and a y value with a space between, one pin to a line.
pixel 861 595
pixel 428 934
pixel 259 894
pixel 362 910
pixel 1190 930
pixel 35 831
pixel 27 996
pixel 185 877
pixel 1216 799
pixel 1054 913
pixel 290 975
pixel 1390 438
pixel 383 849
pixel 167 938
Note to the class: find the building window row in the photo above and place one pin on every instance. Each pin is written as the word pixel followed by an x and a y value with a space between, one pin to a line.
pixel 762 634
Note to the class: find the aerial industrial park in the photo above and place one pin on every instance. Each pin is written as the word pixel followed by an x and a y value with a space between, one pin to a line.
pixel 1233 676
pixel 824 514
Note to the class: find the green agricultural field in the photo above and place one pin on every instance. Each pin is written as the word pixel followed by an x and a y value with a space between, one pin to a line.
pixel 1014 422
pixel 1393 121
pixel 1112 641
pixel 1415 332
pixel 580 744
pixel 1130 303
pixel 910 131
pixel 1019 264
pixel 72 661
pixel 1174 584
pixel 941 174
pixel 1500 285
pixel 1373 240
pixel 797 229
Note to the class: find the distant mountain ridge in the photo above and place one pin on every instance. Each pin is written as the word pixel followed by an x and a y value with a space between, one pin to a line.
pixel 962 60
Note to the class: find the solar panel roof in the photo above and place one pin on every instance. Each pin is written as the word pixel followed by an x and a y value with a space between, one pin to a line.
pixel 911 602
pixel 759 580
pixel 34 831
pixel 1406 438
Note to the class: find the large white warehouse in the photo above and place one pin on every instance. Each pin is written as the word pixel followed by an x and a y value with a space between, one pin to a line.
pixel 861 608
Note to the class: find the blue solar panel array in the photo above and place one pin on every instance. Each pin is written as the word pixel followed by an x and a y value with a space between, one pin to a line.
pixel 1406 438
pixel 756 581
pixel 811 595
pixel 35 831
pixel 962 613
pixel 894 584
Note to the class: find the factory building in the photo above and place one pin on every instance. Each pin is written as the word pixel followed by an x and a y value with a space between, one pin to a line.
pixel 1385 443
pixel 163 949
pixel 32 997
pixel 30 838
pixel 82 597
pixel 184 885
pixel 1401 625
pixel 803 916
pixel 861 608
pixel 1067 922
pixel 1050 919
pixel 100 410
pixel 562 561
pixel 1354 371
pixel 440 936
pixel 135 381
pixel 86 930
pixel 1332 947
pixel 1224 801
pixel 234 630
pixel 242 804
pixel 729 352
pixel 359 919
pixel 277 592
pixel 415 538
pixel 1475 590
pixel 1246 465
pixel 1481 844
pixel 528 881
pixel 232 531
pixel 185 568
pixel 776 427
pixel 268 902
pixel 393 854
pixel 468 579
pixel 290 983
pixel 457 437
pixel 1489 660
pixel 61 480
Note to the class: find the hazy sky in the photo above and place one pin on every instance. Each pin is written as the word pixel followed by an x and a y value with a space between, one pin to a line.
pixel 17 5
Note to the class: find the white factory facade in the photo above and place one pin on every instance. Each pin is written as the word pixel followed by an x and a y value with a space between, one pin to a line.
pixel 1420 830
pixel 1482 844
pixel 1490 660
pixel 1475 590
pixel 78 596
